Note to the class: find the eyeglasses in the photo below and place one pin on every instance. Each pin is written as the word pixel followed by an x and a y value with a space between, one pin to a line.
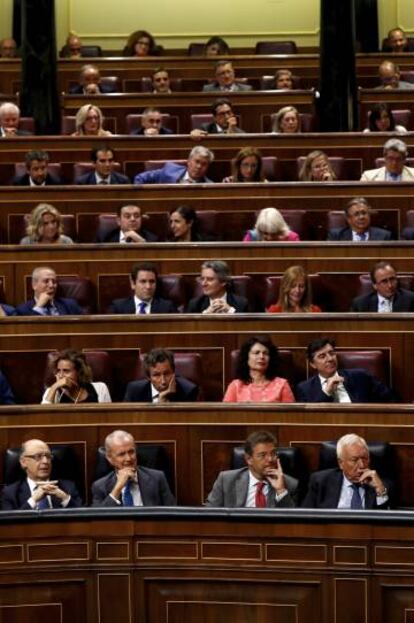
pixel 359 213
pixel 39 456
pixel 264 455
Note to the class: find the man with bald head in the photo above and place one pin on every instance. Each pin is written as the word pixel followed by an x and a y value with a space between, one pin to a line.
pixel 397 42
pixel 37 490
pixel 90 82
pixel 8 48
pixel 389 75
pixel 128 484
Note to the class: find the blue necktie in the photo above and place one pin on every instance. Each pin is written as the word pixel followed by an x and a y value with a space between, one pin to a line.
pixel 356 502
pixel 142 307
pixel 43 504
pixel 127 499
pixel 362 237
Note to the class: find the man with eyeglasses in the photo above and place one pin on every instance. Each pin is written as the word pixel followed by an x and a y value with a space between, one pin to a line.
pixel 225 79
pixel 37 491
pixel 331 384
pixel 224 120
pixel 395 169
pixel 353 484
pixel 386 296
pixel 260 484
pixel 358 229
pixel 128 484
pixel 389 74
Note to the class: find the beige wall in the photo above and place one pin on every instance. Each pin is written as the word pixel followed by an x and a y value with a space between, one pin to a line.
pixel 174 25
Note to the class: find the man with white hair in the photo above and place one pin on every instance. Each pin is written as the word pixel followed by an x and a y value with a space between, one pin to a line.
pixel 9 121
pixel 128 484
pixel 44 301
pixel 353 484
pixel 194 172
pixel 395 170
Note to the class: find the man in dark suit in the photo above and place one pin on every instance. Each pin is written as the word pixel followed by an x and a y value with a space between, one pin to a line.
pixel 36 171
pixel 162 384
pixel 103 158
pixel 216 298
pixel 226 79
pixel 6 392
pixel 160 80
pixel 129 228
pixel 9 121
pixel 90 82
pixel 261 484
pixel 224 120
pixel 352 485
pixel 358 217
pixel 143 281
pixel 387 296
pixel 397 42
pixel 37 491
pixel 151 124
pixel 128 484
pixel 195 172
pixel 45 303
pixel 333 385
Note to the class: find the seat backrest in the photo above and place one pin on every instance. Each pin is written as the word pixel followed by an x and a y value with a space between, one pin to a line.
pixel 79 288
pixel 113 82
pixel 409 215
pixel 65 466
pixel 376 362
pixel 133 122
pixel 271 168
pixel 149 455
pixel 196 49
pixel 337 163
pixel 197 120
pixel 209 223
pixel 27 124
pixel 275 47
pixel 407 75
pixel 91 51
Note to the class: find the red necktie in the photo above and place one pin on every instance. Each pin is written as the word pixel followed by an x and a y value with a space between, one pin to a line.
pixel 260 498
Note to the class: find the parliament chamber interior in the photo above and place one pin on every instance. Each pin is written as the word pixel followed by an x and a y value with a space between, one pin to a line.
pixel 161 563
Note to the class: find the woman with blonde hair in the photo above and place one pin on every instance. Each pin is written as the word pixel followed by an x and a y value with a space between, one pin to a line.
pixel 295 294
pixel 270 227
pixel 89 122
pixel 247 166
pixel 45 226
pixel 317 168
pixel 286 121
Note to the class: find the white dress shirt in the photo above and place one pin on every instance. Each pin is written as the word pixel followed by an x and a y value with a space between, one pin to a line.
pixel 339 395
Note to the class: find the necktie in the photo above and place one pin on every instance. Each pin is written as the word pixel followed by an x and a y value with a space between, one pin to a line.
pixel 356 502
pixel 127 499
pixel 43 504
pixel 104 181
pixel 142 308
pixel 260 498
pixel 362 237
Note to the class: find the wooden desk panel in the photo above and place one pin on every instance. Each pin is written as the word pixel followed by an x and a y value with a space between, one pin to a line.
pixel 162 566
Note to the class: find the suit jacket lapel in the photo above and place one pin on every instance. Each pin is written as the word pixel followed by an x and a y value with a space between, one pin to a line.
pixel 242 486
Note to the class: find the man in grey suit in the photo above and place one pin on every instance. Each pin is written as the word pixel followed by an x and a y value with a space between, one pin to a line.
pixel 260 484
pixel 389 74
pixel 128 484
pixel 358 216
pixel 386 296
pixel 225 79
